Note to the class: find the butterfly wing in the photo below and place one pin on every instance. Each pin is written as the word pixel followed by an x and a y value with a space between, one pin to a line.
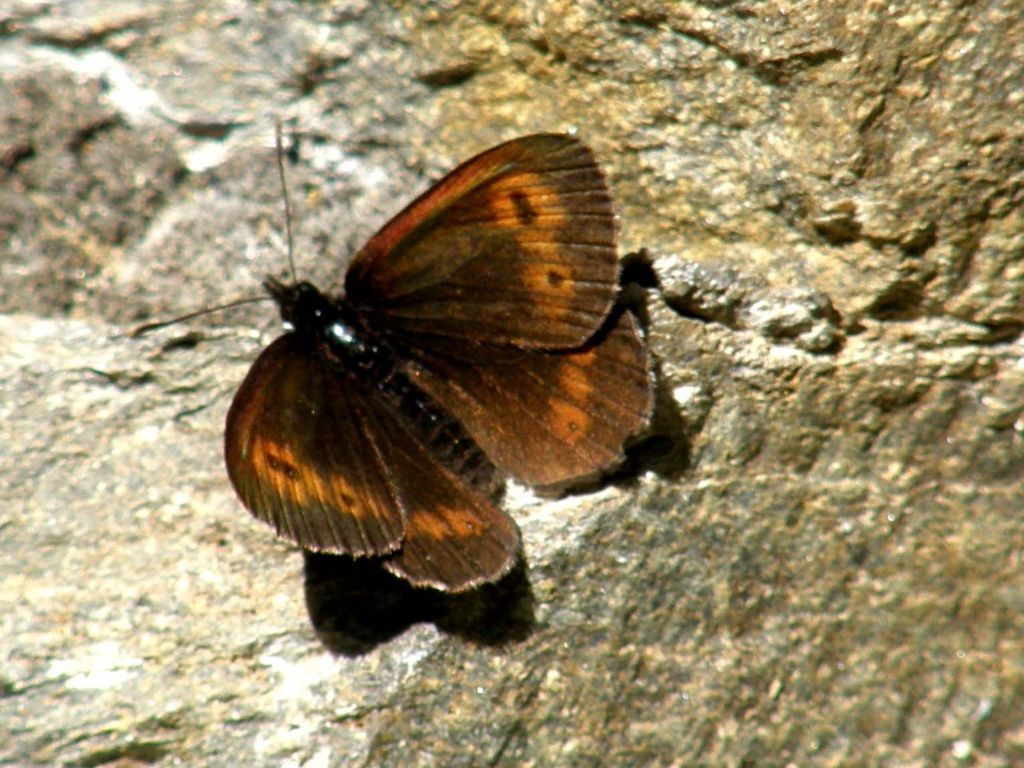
pixel 546 417
pixel 515 246
pixel 330 466
pixel 301 456
pixel 455 537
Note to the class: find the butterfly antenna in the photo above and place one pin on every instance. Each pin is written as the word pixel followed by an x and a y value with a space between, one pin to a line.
pixel 142 330
pixel 284 194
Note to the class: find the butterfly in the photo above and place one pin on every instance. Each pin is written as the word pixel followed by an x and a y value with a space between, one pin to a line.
pixel 475 337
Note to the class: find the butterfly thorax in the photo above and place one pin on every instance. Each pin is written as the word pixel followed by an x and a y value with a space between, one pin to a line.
pixel 328 323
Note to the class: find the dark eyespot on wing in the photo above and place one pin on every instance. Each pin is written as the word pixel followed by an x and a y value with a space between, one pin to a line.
pixel 525 214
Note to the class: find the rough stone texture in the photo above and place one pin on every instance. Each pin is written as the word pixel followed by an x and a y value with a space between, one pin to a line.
pixel 815 559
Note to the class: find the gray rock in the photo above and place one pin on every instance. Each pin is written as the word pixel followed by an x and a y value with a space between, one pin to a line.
pixel 814 558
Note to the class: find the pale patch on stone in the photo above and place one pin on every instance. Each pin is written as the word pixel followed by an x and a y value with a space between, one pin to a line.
pixel 97 667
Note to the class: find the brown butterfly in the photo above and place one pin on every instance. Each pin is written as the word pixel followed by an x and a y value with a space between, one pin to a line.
pixel 476 337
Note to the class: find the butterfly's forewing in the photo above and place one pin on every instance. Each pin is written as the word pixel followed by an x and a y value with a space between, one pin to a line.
pixel 547 417
pixel 515 246
pixel 300 454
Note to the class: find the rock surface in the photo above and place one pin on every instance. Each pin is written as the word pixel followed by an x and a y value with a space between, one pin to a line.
pixel 815 558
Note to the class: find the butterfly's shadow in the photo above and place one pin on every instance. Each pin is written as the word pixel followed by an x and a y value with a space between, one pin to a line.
pixel 355 605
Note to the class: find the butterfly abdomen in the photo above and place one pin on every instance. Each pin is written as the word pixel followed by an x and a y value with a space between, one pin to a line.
pixel 439 430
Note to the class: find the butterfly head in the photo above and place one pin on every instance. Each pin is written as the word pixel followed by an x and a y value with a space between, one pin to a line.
pixel 301 304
